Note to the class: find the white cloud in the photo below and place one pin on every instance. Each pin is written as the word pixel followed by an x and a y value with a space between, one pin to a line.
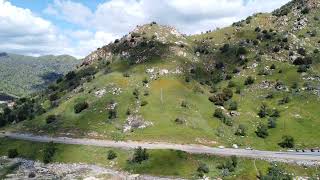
pixel 21 31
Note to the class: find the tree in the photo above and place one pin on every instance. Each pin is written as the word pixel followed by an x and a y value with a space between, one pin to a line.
pixel 111 155
pixel 287 142
pixel 241 131
pixel 140 155
pixel 79 107
pixel 250 80
pixel 49 152
pixel 262 131
pixel 12 153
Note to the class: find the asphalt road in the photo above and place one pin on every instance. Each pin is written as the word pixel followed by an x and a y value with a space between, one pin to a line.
pixel 196 149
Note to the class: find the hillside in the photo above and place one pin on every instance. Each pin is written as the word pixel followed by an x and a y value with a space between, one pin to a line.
pixel 251 84
pixel 22 75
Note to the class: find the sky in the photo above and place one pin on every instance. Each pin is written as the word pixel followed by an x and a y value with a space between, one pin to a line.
pixel 78 27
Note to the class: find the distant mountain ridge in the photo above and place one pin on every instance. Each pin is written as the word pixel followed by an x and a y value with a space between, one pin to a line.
pixel 22 75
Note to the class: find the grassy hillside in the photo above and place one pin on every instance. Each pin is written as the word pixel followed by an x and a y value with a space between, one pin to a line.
pixel 22 75
pixel 251 84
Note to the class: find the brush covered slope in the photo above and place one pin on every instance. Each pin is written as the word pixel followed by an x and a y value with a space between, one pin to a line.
pixel 254 84
pixel 22 75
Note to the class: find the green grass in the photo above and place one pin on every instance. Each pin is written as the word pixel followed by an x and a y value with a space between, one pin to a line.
pixel 160 163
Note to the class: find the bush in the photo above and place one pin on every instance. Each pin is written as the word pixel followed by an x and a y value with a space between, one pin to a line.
pixel 51 119
pixel 284 100
pixel 302 51
pixel 233 106
pixel 230 165
pixel 242 51
pixel 272 123
pixel 203 168
pixel 305 10
pixel 179 121
pixel 112 113
pixel 249 81
pixel 302 68
pixel 184 104
pixel 231 84
pixel 262 131
pixel 111 155
pixel 144 103
pixel 275 172
pixel 49 152
pixel 241 131
pixel 225 48
pixel 136 93
pixel 140 155
pixel 12 153
pixel 79 107
pixel 287 142
pixel 218 113
pixel 273 66
pixel 263 111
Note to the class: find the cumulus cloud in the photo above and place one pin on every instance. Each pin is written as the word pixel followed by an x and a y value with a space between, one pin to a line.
pixel 21 31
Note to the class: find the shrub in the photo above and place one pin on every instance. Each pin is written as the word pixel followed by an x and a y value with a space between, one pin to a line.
pixel 136 93
pixel 242 51
pixel 79 107
pixel 111 155
pixel 284 100
pixel 230 165
pixel 144 103
pixel 238 90
pixel 305 10
pixel 233 106
pixel 51 119
pixel 241 131
pixel 263 111
pixel 227 121
pixel 231 84
pixel 249 81
pixel 273 66
pixel 272 123
pixel 225 48
pixel 184 104
pixel 112 113
pixel 49 152
pixel 218 113
pixel 302 51
pixel 227 94
pixel 140 155
pixel 287 142
pixel 12 153
pixel 203 168
pixel 179 121
pixel 275 113
pixel 262 131
pixel 71 75
pixel 277 173
pixel 302 68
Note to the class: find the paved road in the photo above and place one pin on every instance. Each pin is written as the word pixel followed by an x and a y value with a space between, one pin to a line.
pixel 196 149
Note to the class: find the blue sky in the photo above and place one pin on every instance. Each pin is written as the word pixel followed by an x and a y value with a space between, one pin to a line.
pixel 77 27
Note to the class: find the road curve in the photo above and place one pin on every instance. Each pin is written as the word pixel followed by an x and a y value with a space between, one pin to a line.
pixel 195 149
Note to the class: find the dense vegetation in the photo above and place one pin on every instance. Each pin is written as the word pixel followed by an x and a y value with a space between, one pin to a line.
pixel 22 75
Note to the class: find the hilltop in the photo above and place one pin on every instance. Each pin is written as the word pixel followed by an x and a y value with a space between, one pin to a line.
pixel 251 84
pixel 23 75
